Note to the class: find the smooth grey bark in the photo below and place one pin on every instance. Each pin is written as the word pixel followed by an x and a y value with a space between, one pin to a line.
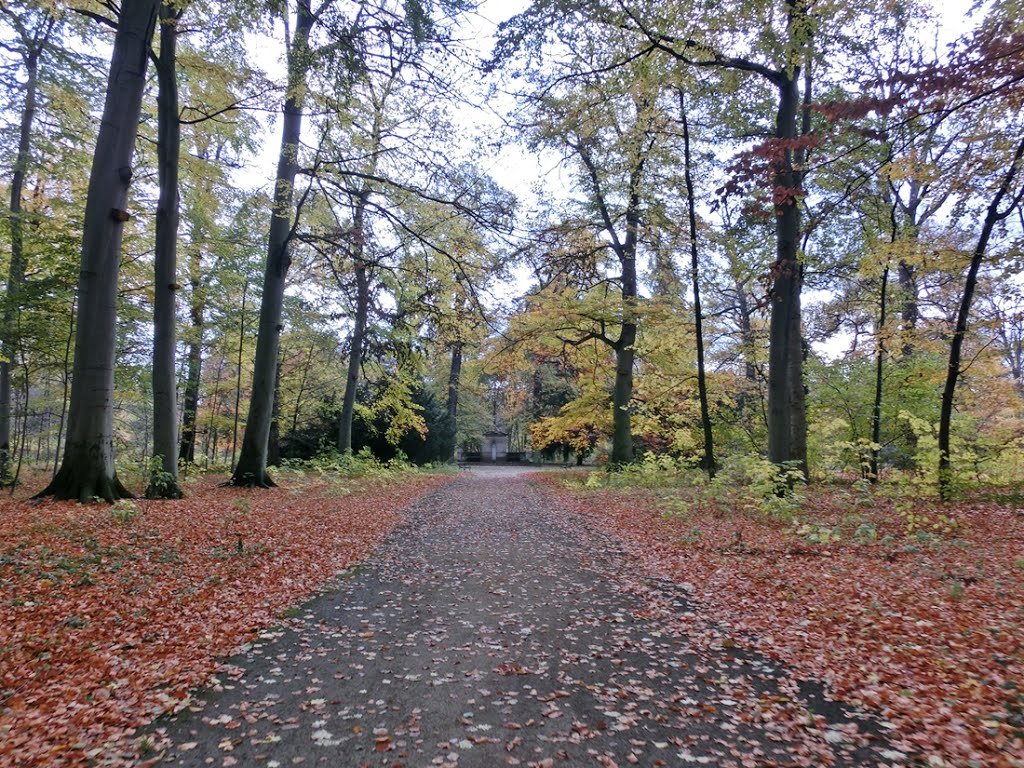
pixel 876 410
pixel 164 482
pixel 708 461
pixel 784 334
pixel 274 442
pixel 87 470
pixel 238 378
pixel 452 405
pixel 302 388
pixel 65 388
pixel 622 428
pixel 251 469
pixel 35 44
pixel 992 217
pixel 355 355
pixel 190 400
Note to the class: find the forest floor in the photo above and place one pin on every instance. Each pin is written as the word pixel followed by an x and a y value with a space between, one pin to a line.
pixel 501 618
pixel 909 608
pixel 110 615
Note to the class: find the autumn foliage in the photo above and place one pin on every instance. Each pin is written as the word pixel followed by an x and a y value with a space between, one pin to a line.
pixel 108 616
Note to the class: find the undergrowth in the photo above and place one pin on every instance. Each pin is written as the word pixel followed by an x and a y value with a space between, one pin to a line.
pixel 902 507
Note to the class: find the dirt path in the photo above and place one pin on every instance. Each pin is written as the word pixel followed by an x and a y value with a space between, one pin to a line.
pixel 494 630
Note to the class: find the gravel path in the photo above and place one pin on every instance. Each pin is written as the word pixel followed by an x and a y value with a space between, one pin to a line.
pixel 495 630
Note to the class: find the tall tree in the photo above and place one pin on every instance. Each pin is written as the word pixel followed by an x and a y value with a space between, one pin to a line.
pixel 251 469
pixel 1005 201
pixel 33 27
pixel 193 375
pixel 164 481
pixel 787 52
pixel 87 470
pixel 708 461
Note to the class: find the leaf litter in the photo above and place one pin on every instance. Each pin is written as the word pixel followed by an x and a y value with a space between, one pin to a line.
pixel 927 631
pixel 108 620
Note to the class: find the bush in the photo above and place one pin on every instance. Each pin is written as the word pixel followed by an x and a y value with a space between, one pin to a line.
pixel 754 483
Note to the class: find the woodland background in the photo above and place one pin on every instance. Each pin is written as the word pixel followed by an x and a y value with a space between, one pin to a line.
pixel 788 230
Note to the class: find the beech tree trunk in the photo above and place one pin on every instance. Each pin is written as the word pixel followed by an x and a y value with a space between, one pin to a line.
pixel 708 462
pixel 992 216
pixel 87 470
pixel 784 353
pixel 238 377
pixel 454 375
pixel 16 271
pixel 251 469
pixel 274 442
pixel 876 411
pixel 622 426
pixel 164 483
pixel 355 355
pixel 190 404
pixel 302 389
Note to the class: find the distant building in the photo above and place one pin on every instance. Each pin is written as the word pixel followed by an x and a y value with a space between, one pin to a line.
pixel 494 446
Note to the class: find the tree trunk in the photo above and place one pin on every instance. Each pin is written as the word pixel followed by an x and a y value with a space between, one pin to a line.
pixel 784 356
pixel 708 462
pixel 87 470
pixel 65 388
pixel 24 429
pixel 876 411
pixel 252 463
pixel 798 352
pixel 238 379
pixel 992 216
pixel 622 426
pixel 454 374
pixel 355 355
pixel 302 389
pixel 190 404
pixel 906 276
pixel 274 441
pixel 750 386
pixel 163 483
pixel 16 272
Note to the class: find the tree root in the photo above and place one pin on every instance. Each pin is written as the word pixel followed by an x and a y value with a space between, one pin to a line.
pixel 84 484
pixel 250 480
